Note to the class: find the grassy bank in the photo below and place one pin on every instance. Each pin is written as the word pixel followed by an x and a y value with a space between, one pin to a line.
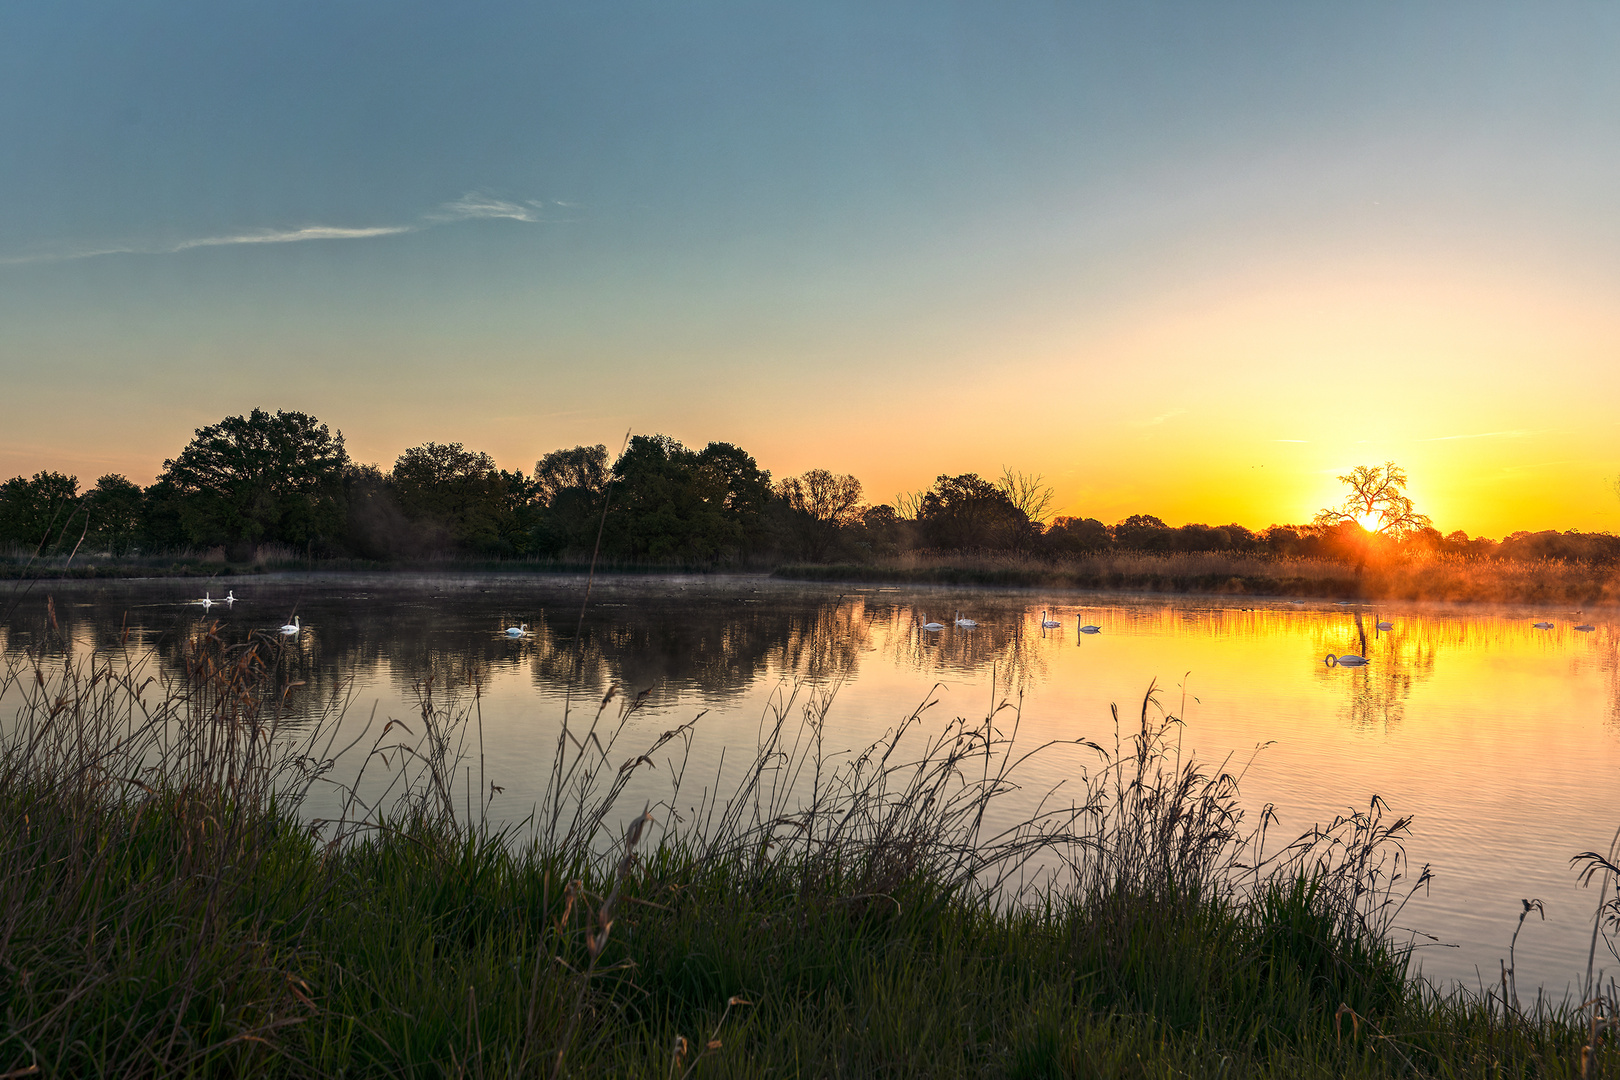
pixel 1416 578
pixel 169 906
pixel 192 565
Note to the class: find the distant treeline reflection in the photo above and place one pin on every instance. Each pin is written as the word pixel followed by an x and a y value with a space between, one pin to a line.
pixel 275 488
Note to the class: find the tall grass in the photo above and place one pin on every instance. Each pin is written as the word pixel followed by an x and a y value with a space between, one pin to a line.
pixel 172 905
pixel 1413 576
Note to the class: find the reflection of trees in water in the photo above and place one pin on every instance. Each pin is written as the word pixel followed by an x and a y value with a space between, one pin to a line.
pixel 720 641
pixel 296 667
pixel 1606 648
pixel 827 643
pixel 1013 647
pixel 1399 659
pixel 718 648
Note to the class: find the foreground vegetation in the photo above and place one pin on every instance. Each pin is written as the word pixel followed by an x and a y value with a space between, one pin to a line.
pixel 171 906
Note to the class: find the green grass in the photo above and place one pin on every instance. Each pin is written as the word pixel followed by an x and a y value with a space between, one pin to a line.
pixel 169 910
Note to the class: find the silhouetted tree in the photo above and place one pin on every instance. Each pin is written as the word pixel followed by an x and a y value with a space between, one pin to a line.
pixel 377 528
pixel 1142 532
pixel 818 507
pixel 671 503
pixel 256 478
pixel 882 531
pixel 1072 535
pixel 569 486
pixel 38 513
pixel 1377 504
pixel 968 511
pixel 161 529
pixel 583 468
pixel 115 509
pixel 1028 495
pixel 455 497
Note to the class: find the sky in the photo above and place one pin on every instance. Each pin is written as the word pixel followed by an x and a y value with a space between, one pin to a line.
pixel 1185 259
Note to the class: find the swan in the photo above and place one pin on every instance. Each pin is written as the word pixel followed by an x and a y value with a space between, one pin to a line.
pixel 1541 625
pixel 966 624
pixel 230 597
pixel 1386 626
pixel 931 627
pixel 1586 628
pixel 205 603
pixel 1349 660
pixel 1048 624
pixel 1088 629
pixel 518 631
pixel 293 627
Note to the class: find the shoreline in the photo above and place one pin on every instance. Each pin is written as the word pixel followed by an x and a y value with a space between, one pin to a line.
pixel 1185 575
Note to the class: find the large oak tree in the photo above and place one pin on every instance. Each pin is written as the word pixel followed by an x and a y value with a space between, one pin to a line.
pixel 259 478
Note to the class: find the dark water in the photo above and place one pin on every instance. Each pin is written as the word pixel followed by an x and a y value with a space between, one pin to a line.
pixel 1503 740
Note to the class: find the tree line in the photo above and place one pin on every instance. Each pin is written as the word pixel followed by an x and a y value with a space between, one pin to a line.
pixel 286 480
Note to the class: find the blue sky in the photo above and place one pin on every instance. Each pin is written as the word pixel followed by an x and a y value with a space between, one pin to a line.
pixel 1184 259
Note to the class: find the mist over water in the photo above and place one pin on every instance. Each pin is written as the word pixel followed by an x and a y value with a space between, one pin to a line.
pixel 1502 740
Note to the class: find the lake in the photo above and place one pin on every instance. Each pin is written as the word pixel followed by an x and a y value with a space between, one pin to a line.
pixel 1501 739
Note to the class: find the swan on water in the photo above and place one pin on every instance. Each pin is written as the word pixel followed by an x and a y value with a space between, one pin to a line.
pixel 1586 628
pixel 1349 660
pixel 230 597
pixel 1386 626
pixel 1087 629
pixel 966 624
pixel 293 627
pixel 521 630
pixel 205 603
pixel 931 627
pixel 1048 624
pixel 1541 625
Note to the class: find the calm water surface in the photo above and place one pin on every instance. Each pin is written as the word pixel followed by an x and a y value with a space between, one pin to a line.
pixel 1502 740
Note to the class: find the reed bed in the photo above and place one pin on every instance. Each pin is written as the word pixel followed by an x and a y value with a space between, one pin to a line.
pixel 172 905
pixel 1411 576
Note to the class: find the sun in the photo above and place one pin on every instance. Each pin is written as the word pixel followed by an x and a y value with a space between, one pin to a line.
pixel 1369 520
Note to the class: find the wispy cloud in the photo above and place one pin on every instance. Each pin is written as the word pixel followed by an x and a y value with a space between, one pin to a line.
pixel 473 206
pixel 1162 417
pixel 1514 434
pixel 470 207
pixel 291 236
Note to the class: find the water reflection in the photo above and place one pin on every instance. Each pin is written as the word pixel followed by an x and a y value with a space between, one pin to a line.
pixel 1398 659
pixel 679 639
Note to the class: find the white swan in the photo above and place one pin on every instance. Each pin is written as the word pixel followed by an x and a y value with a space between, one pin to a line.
pixel 1349 660
pixel 1586 628
pixel 205 603
pixel 1386 626
pixel 1541 625
pixel 1048 624
pixel 1086 628
pixel 931 627
pixel 293 627
pixel 230 597
pixel 518 631
pixel 966 624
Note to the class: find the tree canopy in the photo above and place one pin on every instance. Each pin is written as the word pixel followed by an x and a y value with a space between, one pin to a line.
pixel 36 513
pixel 968 511
pixel 818 507
pixel 672 503
pixel 257 478
pixel 1377 502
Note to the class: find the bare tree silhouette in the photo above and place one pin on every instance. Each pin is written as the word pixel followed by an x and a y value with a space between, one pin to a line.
pixel 1378 504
